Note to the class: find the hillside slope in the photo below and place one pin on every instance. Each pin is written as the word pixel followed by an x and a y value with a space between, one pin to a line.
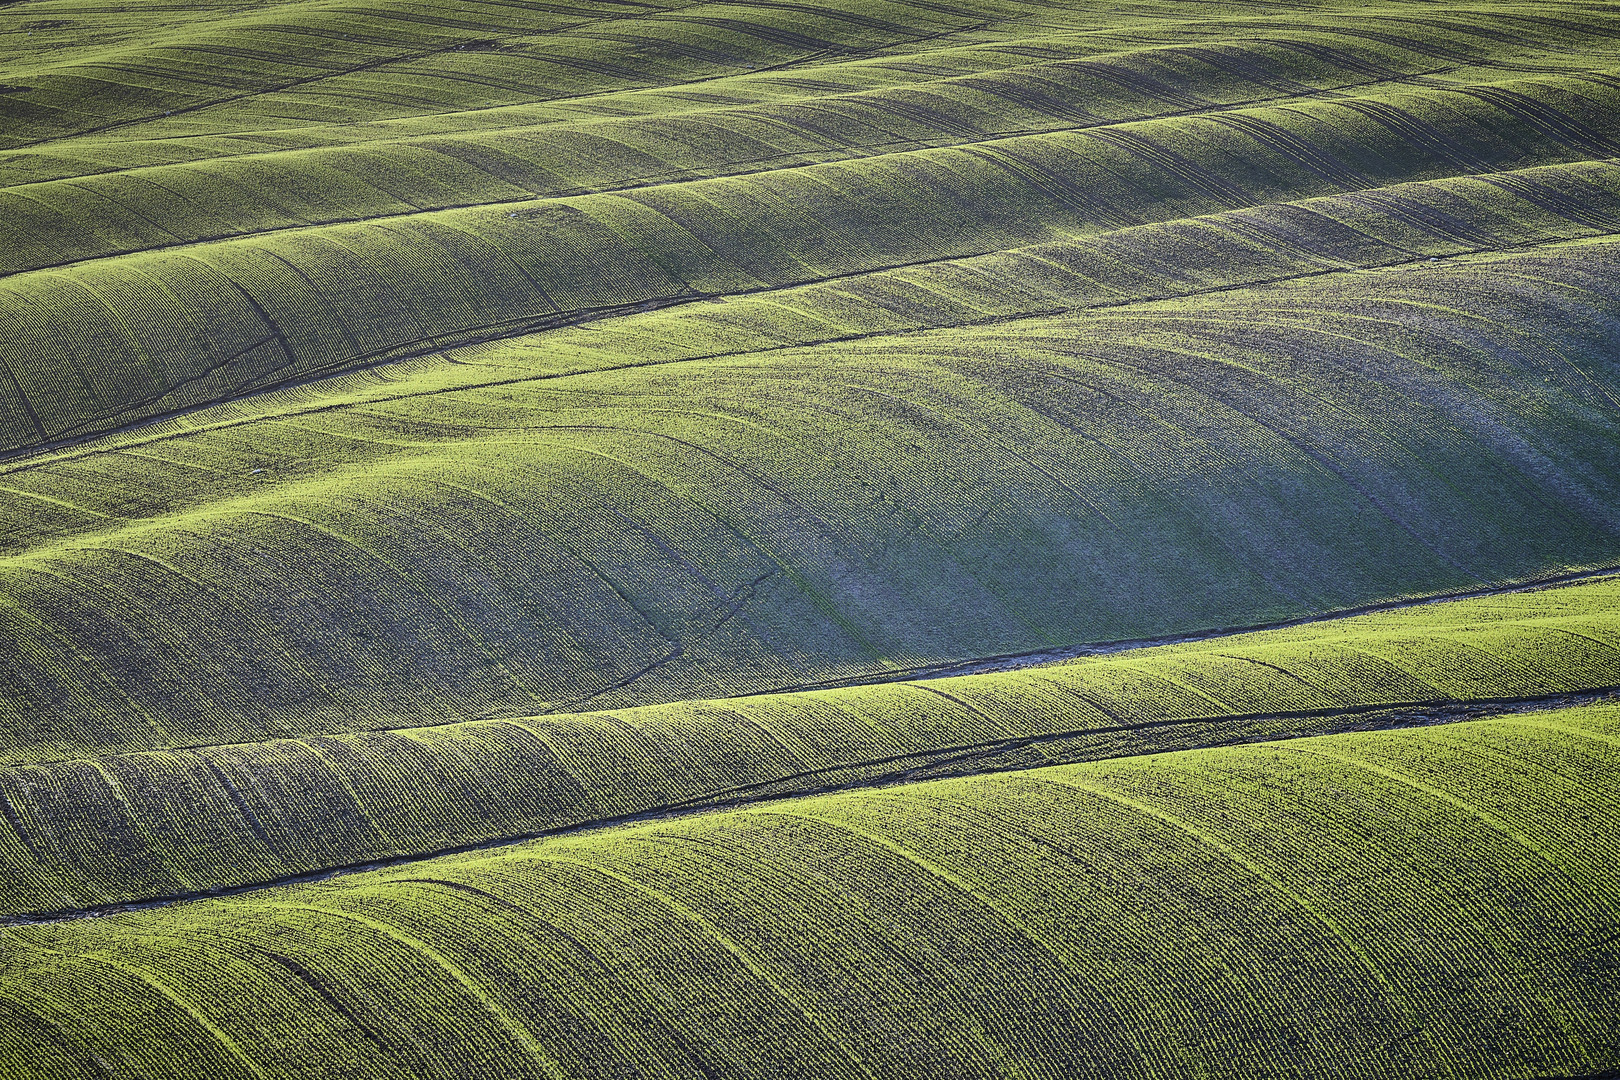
pixel 1425 903
pixel 488 533
pixel 90 829
pixel 741 538
pixel 173 322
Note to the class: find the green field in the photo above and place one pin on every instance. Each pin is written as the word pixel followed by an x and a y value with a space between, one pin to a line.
pixel 1386 903
pixel 94 829
pixel 959 538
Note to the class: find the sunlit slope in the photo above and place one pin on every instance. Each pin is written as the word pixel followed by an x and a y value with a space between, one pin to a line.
pixel 1423 903
pixel 195 189
pixel 158 72
pixel 483 533
pixel 88 829
pixel 181 276
pixel 99 344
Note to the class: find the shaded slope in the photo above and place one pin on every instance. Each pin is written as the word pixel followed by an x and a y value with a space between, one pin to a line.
pixel 93 345
pixel 100 829
pixel 1432 902
pixel 295 63
pixel 482 533
pixel 421 424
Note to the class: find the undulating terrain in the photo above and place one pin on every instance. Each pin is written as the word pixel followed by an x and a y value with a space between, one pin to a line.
pixel 878 538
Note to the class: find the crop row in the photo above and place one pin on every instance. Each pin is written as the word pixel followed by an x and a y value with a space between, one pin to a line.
pixel 140 207
pixel 289 65
pixel 93 347
pixel 1429 902
pixel 95 830
pixel 713 528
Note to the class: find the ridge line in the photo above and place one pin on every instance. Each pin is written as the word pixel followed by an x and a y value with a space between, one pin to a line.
pixel 14 461
pixel 1399 715
pixel 979 666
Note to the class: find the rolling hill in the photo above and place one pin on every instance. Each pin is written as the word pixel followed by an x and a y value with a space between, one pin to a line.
pixel 91 830
pixel 1373 904
pixel 882 538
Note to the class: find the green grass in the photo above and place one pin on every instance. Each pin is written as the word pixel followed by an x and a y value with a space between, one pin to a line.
pixel 1373 904
pixel 426 426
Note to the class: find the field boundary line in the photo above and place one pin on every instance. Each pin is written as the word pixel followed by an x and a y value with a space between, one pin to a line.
pixel 980 666
pixel 19 460
pixel 1428 712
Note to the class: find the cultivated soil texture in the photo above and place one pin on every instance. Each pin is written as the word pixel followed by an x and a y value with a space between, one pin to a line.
pixel 870 539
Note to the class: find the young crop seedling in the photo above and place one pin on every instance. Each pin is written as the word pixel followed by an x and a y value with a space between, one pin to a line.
pixel 871 539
